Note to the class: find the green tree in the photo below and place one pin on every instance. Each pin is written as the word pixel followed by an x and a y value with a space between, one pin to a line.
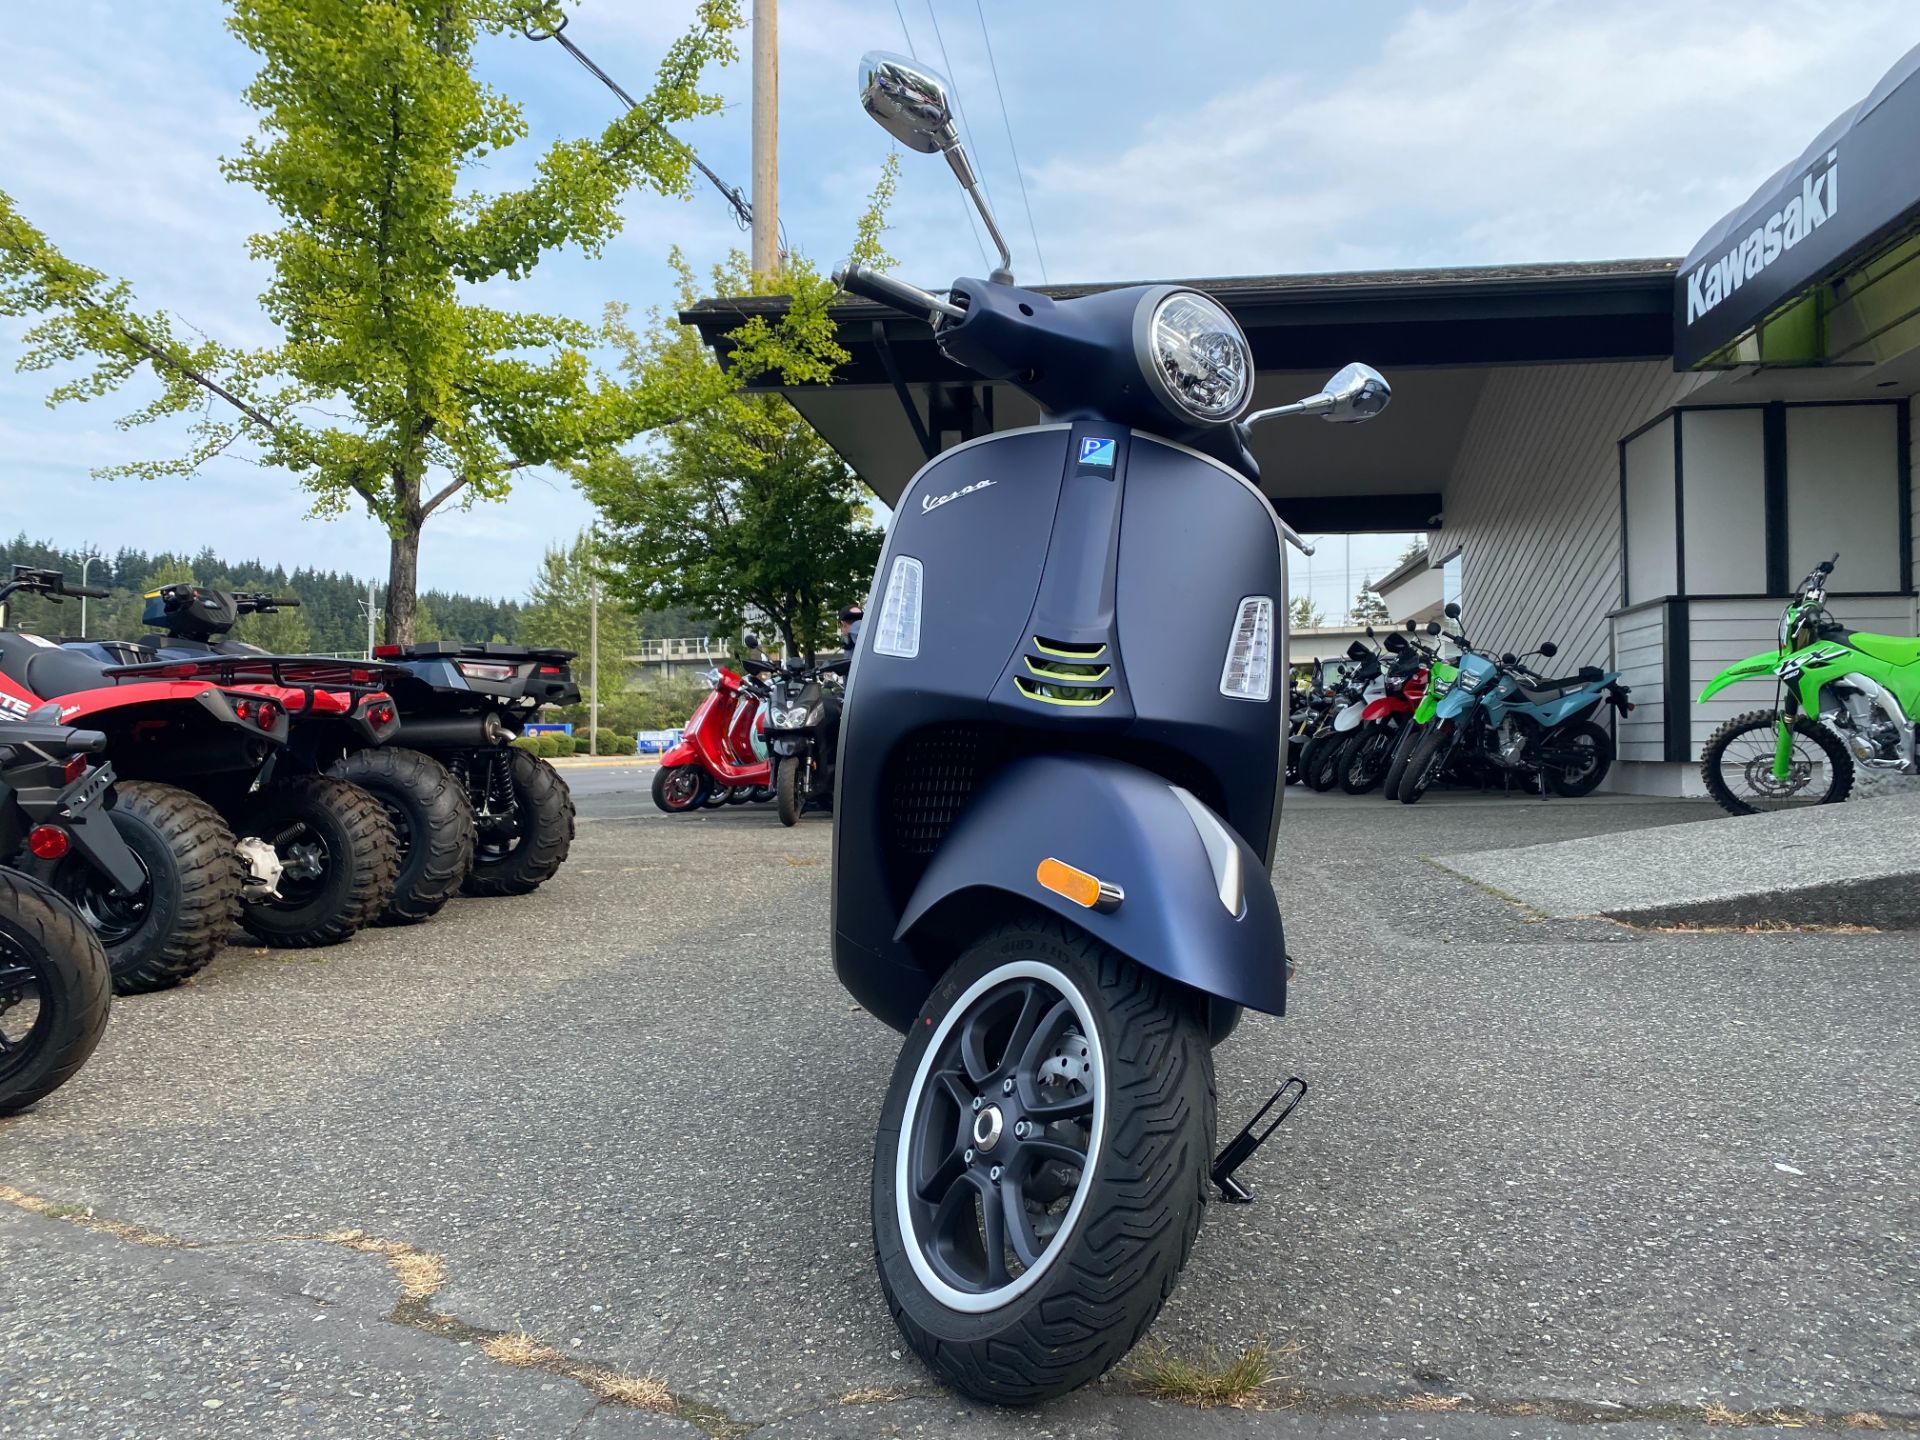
pixel 1368 607
pixel 372 124
pixel 741 506
pixel 284 632
pixel 560 612
pixel 1303 614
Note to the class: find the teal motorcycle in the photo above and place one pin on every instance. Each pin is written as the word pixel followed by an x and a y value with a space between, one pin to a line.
pixel 1504 719
pixel 1841 697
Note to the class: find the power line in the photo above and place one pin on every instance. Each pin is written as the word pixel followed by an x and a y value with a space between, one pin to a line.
pixel 1007 120
pixel 958 103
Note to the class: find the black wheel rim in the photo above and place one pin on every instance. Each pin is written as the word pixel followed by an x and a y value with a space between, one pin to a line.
pixel 1000 1138
pixel 306 859
pixel 113 917
pixel 25 1016
pixel 681 787
pixel 1576 757
pixel 1746 768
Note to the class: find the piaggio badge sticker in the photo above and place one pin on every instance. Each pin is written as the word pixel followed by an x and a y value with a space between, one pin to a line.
pixel 1095 451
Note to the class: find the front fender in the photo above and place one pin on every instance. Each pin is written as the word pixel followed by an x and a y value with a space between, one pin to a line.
pixel 1129 828
pixel 1758 667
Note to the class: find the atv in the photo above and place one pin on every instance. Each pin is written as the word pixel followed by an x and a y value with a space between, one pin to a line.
pixel 431 813
pixel 465 705
pixel 204 750
pixel 55 982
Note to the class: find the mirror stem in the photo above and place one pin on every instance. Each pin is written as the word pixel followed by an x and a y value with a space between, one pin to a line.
pixel 963 172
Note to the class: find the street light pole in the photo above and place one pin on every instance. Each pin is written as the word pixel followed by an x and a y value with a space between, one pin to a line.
pixel 766 139
pixel 86 564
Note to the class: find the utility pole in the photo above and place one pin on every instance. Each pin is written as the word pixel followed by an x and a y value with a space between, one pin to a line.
pixel 593 658
pixel 86 564
pixel 766 138
pixel 371 606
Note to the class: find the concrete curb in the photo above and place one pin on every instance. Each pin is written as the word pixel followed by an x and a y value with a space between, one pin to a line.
pixel 1847 864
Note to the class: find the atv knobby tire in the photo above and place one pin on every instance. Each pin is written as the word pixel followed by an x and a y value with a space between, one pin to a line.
pixel 73 986
pixel 191 902
pixel 545 833
pixel 432 820
pixel 362 861
pixel 1131 1237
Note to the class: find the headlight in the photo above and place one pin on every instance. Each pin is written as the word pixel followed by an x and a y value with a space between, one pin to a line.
pixel 794 718
pixel 1195 358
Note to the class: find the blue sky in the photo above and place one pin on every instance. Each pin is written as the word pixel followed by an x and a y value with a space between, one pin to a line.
pixel 1157 140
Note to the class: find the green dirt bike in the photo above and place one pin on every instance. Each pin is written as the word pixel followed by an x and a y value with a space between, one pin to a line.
pixel 1441 674
pixel 1842 698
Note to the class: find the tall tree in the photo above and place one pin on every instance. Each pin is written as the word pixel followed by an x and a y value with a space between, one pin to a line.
pixel 1368 607
pixel 371 122
pixel 1303 614
pixel 560 612
pixel 741 507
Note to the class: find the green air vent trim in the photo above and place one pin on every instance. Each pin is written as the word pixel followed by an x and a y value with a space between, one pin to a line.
pixel 1085 695
pixel 1083 674
pixel 1062 650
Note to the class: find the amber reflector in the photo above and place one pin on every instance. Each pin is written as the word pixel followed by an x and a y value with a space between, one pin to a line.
pixel 1063 879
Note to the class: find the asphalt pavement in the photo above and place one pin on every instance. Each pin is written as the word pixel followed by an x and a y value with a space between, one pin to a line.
pixel 1553 1174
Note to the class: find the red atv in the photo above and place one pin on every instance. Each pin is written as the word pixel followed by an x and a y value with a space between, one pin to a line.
pixel 229 819
pixel 432 816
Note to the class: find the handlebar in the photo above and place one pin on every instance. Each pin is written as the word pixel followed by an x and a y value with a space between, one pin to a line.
pixel 50 583
pixel 856 279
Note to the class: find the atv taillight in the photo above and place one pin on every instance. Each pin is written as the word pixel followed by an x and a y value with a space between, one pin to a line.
pixel 380 714
pixel 266 715
pixel 48 842
pixel 549 669
pixel 385 652
pixel 243 708
pixel 76 766
pixel 482 670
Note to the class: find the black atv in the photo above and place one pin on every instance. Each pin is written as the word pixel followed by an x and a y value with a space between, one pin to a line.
pixel 432 819
pixel 55 982
pixel 465 705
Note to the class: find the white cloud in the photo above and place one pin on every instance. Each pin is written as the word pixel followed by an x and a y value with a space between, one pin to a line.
pixel 1495 130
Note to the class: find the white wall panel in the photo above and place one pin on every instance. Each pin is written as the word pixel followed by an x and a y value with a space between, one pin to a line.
pixel 1723 476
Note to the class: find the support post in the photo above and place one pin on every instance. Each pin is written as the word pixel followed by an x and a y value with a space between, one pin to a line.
pixel 766 138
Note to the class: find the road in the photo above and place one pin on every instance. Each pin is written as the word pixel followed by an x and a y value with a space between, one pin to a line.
pixel 1552 1174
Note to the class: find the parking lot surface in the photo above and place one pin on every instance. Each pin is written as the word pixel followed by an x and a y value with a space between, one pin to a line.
pixel 1552 1174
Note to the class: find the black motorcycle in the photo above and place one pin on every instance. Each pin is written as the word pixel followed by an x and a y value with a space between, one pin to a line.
pixel 55 982
pixel 1055 816
pixel 803 731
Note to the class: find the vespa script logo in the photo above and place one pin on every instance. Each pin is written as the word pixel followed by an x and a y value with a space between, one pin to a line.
pixel 934 502
pixel 1817 203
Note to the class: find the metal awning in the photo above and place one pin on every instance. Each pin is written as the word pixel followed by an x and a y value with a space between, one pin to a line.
pixel 1814 267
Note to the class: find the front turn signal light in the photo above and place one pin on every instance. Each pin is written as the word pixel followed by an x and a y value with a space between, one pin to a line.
pixel 1088 891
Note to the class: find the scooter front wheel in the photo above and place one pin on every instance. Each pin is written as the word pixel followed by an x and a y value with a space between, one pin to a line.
pixel 1041 1162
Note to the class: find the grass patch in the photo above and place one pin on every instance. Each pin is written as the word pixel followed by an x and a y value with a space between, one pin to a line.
pixel 874 1395
pixel 1714 1413
pixel 1208 1381
pixel 1426 1401
pixel 421 1274
pixel 518 1349
pixel 83 1216
pixel 1863 1420
pixel 642 1392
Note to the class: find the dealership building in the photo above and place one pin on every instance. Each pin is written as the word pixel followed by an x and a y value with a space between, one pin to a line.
pixel 1636 460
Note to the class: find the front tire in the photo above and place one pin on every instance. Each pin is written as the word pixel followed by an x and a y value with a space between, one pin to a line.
pixel 1738 771
pixel 1428 760
pixel 518 857
pixel 432 821
pixel 1367 758
pixel 1021 1285
pixel 340 859
pixel 1402 753
pixel 790 789
pixel 1328 761
pixel 191 900
pixel 55 988
pixel 679 788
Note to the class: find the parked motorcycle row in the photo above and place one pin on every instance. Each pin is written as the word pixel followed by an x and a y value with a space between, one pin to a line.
pixel 768 734
pixel 1410 712
pixel 156 793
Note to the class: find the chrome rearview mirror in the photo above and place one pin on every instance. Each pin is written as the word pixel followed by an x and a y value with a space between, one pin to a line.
pixel 1356 392
pixel 910 103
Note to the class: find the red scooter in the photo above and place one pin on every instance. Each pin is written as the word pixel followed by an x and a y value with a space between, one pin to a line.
pixel 1386 718
pixel 722 757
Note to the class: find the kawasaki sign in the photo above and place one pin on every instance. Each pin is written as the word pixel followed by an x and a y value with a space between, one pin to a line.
pixel 1796 231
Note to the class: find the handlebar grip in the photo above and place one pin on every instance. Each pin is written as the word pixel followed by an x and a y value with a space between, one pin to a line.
pixel 856 279
pixel 283 601
pixel 91 592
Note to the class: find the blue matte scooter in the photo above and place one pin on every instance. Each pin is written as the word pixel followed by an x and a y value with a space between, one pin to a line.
pixel 1058 787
